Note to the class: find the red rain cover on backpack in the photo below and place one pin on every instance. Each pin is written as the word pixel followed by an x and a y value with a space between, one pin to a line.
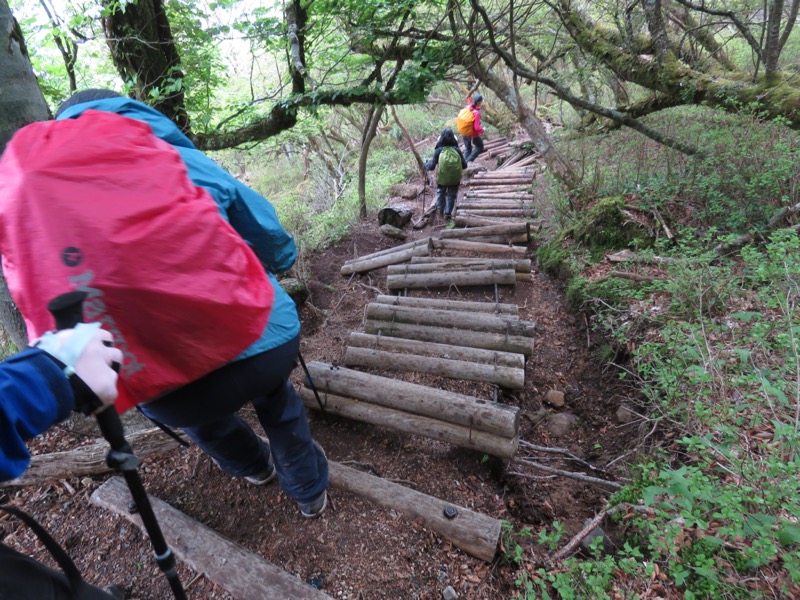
pixel 101 204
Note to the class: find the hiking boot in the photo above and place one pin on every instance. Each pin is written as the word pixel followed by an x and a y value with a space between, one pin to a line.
pixel 264 476
pixel 115 591
pixel 316 507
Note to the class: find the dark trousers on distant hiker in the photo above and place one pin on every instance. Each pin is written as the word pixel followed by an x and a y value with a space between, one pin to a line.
pixel 472 147
pixel 23 578
pixel 446 199
pixel 206 410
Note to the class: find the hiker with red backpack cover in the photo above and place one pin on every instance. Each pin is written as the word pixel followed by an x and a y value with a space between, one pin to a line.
pixel 469 126
pixel 450 161
pixel 195 350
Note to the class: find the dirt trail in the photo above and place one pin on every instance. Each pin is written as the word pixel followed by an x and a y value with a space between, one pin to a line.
pixel 359 550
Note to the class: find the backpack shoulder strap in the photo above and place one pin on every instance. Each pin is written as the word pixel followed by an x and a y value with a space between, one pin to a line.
pixel 64 561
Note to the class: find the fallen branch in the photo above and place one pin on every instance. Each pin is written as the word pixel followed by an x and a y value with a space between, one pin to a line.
pixel 571 474
pixel 563 452
pixel 591 526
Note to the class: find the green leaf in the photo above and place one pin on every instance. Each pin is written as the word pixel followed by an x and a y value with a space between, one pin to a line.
pixel 789 535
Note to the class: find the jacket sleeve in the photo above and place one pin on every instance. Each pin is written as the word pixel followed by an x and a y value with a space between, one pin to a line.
pixel 34 396
pixel 257 222
pixel 463 160
pixel 246 210
pixel 476 127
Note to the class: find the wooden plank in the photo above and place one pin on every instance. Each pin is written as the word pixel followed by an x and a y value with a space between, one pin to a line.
pixel 386 259
pixel 507 311
pixel 444 318
pixel 475 533
pixel 475 355
pixel 485 248
pixel 413 398
pixel 243 574
pixel 447 279
pixel 429 427
pixel 455 337
pixel 504 377
pixel 398 248
pixel 520 265
pixel 89 460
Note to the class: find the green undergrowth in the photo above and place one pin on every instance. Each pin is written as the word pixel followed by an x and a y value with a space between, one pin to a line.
pixel 713 344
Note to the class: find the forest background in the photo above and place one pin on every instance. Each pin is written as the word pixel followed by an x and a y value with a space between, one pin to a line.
pixel 669 131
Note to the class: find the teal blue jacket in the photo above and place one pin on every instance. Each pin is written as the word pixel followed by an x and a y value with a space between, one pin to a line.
pixel 247 211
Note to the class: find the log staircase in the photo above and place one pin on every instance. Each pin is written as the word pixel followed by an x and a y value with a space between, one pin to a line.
pixel 482 342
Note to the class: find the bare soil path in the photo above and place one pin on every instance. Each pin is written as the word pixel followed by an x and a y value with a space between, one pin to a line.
pixel 359 550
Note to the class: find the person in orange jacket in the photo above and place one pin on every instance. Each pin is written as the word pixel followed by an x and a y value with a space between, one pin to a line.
pixel 473 145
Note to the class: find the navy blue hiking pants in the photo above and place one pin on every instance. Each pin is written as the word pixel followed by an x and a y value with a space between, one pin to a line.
pixel 206 410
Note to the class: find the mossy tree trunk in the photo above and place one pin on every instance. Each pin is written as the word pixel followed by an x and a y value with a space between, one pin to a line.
pixel 144 53
pixel 21 103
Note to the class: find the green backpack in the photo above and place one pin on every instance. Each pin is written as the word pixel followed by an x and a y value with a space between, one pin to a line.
pixel 449 172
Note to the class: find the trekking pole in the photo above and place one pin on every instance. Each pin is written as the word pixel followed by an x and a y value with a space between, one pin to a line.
pixel 67 309
pixel 314 388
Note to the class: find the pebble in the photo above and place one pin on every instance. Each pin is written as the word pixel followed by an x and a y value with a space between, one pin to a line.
pixel 449 593
pixel 554 398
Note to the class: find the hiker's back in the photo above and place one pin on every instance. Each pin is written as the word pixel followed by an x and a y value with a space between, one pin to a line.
pixel 101 204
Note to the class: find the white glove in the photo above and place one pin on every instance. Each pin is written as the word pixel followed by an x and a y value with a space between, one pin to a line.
pixel 84 353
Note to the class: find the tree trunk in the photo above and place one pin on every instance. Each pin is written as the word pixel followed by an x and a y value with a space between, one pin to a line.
pixel 410 142
pixel 375 115
pixel 21 103
pixel 144 52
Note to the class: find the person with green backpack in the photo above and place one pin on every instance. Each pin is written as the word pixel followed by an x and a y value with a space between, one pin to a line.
pixel 451 164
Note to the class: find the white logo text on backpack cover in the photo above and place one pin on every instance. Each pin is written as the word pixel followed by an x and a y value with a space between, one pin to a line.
pixel 94 308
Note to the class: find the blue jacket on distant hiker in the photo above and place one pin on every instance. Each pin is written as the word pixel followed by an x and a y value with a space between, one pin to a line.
pixel 450 161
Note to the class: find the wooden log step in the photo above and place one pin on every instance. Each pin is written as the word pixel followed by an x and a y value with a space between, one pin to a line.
pixel 502 178
pixel 510 229
pixel 519 239
pixel 447 318
pixel 479 204
pixel 484 265
pixel 476 534
pixel 498 141
pixel 495 189
pixel 522 265
pixel 448 335
pixel 479 356
pixel 495 212
pixel 452 362
pixel 487 196
pixel 389 258
pixel 89 460
pixel 510 179
pixel 466 221
pixel 243 574
pixel 528 161
pixel 504 311
pixel 487 248
pixel 450 278
pixel 468 411
pixel 429 427
pixel 398 248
